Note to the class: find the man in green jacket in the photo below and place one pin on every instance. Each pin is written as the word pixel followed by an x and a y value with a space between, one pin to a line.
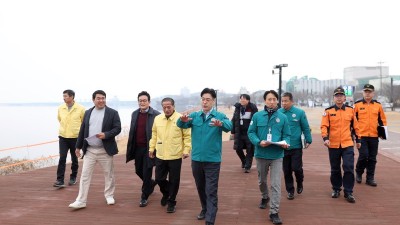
pixel 207 127
pixel 270 134
pixel 293 159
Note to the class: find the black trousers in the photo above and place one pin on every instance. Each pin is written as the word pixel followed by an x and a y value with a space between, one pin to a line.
pixel 206 176
pixel 144 169
pixel 66 144
pixel 172 169
pixel 293 162
pixel 335 158
pixel 367 157
pixel 244 143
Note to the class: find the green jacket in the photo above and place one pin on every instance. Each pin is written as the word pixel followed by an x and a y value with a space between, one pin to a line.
pixel 298 124
pixel 206 139
pixel 260 125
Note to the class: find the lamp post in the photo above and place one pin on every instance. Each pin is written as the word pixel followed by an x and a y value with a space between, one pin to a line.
pixel 380 72
pixel 280 80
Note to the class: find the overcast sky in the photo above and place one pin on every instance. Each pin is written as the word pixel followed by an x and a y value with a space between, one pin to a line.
pixel 124 47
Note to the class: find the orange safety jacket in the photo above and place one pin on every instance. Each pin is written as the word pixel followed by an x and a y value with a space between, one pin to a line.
pixel 338 125
pixel 369 116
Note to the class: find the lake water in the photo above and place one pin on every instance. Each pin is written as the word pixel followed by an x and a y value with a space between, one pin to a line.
pixel 31 132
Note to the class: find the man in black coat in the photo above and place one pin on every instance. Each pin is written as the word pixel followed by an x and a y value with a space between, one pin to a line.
pixel 244 111
pixel 96 138
pixel 138 144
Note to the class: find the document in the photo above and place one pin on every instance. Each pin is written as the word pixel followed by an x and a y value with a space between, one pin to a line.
pixel 92 140
pixel 383 132
pixel 279 143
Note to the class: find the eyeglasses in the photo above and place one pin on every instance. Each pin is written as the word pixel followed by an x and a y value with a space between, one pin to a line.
pixel 206 99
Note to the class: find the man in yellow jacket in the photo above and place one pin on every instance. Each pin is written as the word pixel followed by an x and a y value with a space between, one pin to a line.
pixel 169 144
pixel 70 116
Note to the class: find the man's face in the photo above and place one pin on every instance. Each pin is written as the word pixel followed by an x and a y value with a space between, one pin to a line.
pixel 286 103
pixel 243 101
pixel 339 98
pixel 99 101
pixel 207 102
pixel 168 108
pixel 144 102
pixel 368 95
pixel 68 99
pixel 271 101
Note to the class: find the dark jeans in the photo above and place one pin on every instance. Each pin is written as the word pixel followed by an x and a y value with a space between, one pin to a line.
pixel 293 162
pixel 206 176
pixel 335 157
pixel 66 144
pixel 244 143
pixel 367 157
pixel 169 187
pixel 144 170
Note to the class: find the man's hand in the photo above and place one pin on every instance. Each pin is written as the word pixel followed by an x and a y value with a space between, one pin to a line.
pixel 185 156
pixel 78 153
pixel 306 145
pixel 185 118
pixel 327 143
pixel 264 143
pixel 151 155
pixel 358 145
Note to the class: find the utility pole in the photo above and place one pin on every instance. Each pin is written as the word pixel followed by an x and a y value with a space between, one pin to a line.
pixel 380 72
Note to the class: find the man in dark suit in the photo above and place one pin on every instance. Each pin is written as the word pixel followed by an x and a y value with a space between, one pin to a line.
pixel 138 144
pixel 97 140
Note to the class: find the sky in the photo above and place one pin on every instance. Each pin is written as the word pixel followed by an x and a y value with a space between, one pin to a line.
pixel 124 47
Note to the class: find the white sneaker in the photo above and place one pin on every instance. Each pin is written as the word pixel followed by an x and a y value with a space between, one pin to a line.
pixel 77 205
pixel 110 201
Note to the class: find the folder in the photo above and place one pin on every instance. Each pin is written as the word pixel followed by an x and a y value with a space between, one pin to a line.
pixel 382 132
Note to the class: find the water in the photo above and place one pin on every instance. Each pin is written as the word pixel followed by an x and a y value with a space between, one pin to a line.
pixel 24 126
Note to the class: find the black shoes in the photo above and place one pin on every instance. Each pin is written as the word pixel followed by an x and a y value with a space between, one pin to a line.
pixel 349 197
pixel 371 183
pixel 275 218
pixel 358 178
pixel 246 170
pixel 164 200
pixel 59 183
pixel 290 196
pixel 335 194
pixel 72 181
pixel 202 215
pixel 299 188
pixel 143 202
pixel 171 208
pixel 263 203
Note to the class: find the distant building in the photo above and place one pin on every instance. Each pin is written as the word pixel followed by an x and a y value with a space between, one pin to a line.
pixel 360 75
pixel 311 86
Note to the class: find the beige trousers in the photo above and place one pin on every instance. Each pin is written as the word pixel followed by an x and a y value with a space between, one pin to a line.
pixel 92 156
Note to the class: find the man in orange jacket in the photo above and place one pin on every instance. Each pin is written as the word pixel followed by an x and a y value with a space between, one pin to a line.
pixel 337 128
pixel 370 115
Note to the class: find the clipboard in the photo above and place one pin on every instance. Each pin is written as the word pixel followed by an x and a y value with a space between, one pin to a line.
pixel 382 132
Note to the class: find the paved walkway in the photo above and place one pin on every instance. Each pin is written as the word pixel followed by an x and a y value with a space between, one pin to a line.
pixel 29 198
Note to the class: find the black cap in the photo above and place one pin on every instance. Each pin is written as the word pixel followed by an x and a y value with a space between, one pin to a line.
pixel 368 87
pixel 338 90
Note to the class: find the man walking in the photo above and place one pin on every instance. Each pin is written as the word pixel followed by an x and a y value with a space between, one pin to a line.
pixel 293 159
pixel 172 144
pixel 70 116
pixel 370 115
pixel 100 126
pixel 338 126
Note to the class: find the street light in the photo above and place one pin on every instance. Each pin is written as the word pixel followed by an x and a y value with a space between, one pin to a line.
pixel 380 72
pixel 280 79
